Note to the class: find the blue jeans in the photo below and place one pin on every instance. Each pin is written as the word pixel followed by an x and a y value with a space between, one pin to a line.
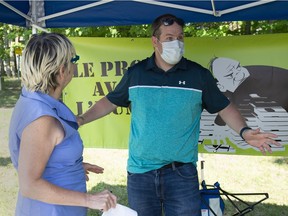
pixel 169 192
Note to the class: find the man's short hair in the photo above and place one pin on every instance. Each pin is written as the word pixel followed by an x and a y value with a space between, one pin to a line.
pixel 166 20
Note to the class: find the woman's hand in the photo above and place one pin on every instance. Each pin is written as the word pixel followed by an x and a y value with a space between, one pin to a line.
pixel 102 201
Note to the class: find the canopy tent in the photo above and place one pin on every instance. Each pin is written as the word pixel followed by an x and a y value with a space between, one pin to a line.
pixel 66 13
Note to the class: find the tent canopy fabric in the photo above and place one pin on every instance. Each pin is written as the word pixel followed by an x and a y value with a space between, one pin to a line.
pixel 67 13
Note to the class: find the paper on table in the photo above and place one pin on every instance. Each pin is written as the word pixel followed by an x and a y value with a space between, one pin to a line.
pixel 120 210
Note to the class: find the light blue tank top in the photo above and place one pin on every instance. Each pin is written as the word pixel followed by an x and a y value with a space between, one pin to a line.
pixel 64 167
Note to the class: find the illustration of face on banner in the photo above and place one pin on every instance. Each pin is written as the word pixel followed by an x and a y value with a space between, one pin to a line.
pixel 252 71
pixel 258 92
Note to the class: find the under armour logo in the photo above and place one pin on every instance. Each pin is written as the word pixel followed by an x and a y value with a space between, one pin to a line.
pixel 181 82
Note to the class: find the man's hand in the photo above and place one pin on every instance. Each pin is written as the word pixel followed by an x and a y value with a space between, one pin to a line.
pixel 260 140
pixel 80 120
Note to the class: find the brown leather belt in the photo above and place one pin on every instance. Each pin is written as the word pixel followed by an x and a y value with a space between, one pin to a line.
pixel 173 165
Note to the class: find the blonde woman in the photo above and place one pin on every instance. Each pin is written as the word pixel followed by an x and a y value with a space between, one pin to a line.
pixel 45 146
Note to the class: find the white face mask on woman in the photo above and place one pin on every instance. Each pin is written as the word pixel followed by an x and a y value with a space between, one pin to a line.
pixel 172 51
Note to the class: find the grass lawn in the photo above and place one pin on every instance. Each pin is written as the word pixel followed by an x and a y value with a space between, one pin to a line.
pixel 236 174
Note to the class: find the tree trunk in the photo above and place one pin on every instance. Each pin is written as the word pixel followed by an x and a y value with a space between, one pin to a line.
pixel 247 28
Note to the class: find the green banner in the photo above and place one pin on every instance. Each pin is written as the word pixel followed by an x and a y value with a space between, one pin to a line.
pixel 103 61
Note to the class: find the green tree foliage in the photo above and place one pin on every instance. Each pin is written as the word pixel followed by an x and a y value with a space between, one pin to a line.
pixel 11 37
pixel 106 31
pixel 4 52
pixel 84 31
pixel 211 29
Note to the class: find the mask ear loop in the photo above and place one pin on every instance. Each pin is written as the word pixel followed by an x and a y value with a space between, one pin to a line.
pixel 157 46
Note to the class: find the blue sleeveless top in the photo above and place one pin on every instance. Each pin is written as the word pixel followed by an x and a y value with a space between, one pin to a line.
pixel 64 168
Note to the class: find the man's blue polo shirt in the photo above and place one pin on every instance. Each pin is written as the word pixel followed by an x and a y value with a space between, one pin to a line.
pixel 166 110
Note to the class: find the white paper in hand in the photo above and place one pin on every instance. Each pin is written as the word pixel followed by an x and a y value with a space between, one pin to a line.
pixel 120 210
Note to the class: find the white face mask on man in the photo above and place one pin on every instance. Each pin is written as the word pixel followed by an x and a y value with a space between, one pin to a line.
pixel 172 51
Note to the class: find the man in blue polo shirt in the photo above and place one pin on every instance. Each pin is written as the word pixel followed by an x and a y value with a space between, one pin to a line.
pixel 167 94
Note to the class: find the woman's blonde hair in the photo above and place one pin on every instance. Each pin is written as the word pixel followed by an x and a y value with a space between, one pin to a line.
pixel 42 59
